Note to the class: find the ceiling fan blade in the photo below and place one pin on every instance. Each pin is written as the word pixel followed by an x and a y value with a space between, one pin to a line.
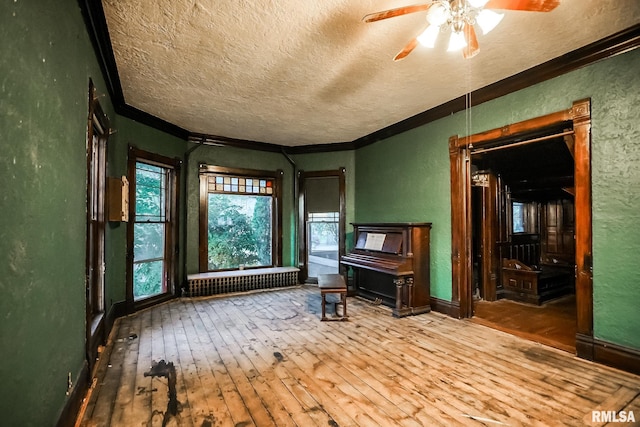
pixel 410 46
pixel 406 50
pixel 472 48
pixel 529 5
pixel 377 16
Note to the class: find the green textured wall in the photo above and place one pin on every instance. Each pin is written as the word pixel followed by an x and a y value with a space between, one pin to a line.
pixel 45 66
pixel 238 158
pixel 406 178
pixel 616 199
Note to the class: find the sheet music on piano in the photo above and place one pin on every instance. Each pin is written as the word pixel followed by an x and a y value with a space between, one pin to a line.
pixel 374 241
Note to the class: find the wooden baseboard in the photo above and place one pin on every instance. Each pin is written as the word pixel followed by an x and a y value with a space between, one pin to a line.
pixel 117 310
pixel 450 308
pixel 614 355
pixel 617 356
pixel 74 403
pixel 584 346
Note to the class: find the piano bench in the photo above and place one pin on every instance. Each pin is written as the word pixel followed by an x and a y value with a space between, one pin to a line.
pixel 333 284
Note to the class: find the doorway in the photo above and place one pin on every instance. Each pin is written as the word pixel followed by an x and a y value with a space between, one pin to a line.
pixel 523 216
pixel 152 231
pixel 576 121
pixel 97 136
pixel 322 222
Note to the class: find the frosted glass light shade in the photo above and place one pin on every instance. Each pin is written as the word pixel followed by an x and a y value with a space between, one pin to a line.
pixel 438 13
pixel 488 20
pixel 457 41
pixel 429 36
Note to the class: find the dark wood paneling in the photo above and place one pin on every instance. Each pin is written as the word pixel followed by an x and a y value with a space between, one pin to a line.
pixel 557 237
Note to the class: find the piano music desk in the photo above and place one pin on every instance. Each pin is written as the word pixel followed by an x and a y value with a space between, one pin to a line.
pixel 333 284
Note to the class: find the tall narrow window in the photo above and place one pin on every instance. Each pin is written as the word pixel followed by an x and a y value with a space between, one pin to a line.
pixel 524 217
pixel 239 218
pixel 150 231
pixel 322 222
pixel 152 234
pixel 518 217
pixel 323 244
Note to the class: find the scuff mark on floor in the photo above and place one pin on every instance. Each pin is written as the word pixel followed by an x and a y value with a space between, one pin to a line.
pixel 168 371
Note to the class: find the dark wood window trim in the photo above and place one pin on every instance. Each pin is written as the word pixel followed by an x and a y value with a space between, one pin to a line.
pixel 98 128
pixel 204 171
pixel 303 214
pixel 171 244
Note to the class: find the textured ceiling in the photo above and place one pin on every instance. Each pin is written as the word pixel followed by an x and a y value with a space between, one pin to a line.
pixel 300 72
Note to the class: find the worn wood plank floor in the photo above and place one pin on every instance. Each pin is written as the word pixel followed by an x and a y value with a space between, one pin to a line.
pixel 552 323
pixel 265 359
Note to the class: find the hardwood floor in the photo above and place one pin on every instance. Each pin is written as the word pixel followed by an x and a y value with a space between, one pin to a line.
pixel 265 359
pixel 552 323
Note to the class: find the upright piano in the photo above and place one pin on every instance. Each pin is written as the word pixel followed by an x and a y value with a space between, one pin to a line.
pixel 390 264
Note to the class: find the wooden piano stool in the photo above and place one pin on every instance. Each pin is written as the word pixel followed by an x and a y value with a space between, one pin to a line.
pixel 333 284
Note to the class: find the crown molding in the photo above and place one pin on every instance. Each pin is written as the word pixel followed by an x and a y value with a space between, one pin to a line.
pixel 96 24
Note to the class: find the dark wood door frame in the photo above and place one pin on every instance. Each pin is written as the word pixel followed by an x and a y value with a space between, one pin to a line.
pixel 488 260
pixel 302 215
pixel 578 117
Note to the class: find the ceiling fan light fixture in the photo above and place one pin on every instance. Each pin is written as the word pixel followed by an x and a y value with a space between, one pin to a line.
pixel 488 20
pixel 458 17
pixel 456 42
pixel 429 36
pixel 438 13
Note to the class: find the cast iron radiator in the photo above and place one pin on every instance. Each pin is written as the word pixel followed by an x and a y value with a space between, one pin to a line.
pixel 222 282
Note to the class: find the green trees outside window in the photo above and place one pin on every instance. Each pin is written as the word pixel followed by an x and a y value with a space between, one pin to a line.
pixel 240 218
pixel 149 231
pixel 239 231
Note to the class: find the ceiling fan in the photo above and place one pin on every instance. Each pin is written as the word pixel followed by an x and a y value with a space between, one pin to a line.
pixel 460 16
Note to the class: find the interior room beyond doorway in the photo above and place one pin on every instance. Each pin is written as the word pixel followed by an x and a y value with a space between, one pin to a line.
pixel 523 240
